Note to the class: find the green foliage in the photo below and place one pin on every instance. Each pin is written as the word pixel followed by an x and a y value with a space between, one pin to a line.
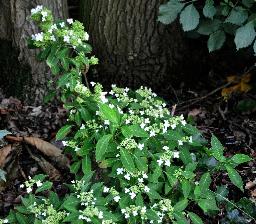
pixel 133 161
pixel 214 19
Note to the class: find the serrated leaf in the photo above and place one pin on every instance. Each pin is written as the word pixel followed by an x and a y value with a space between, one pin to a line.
pixel 186 188
pixel 216 40
pixel 63 132
pixel 127 160
pixel 209 9
pixel 237 16
pixel 207 205
pixel 189 18
pixel 205 182
pixel 168 12
pixel 86 164
pixel 102 147
pixel 141 162
pixel 195 218
pixel 241 158
pixel 245 35
pixel 181 205
pixel 235 177
pixel 71 203
pixel 217 149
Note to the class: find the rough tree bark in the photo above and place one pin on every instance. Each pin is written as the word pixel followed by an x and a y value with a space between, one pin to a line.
pixel 16 28
pixel 133 47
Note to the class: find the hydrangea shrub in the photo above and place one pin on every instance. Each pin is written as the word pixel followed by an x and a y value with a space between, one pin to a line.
pixel 133 161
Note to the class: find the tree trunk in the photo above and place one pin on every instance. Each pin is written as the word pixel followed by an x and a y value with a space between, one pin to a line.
pixel 133 47
pixel 16 28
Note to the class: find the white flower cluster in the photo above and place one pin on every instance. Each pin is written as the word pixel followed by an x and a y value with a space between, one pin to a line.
pixel 2 221
pixel 38 9
pixel 30 183
pixel 134 211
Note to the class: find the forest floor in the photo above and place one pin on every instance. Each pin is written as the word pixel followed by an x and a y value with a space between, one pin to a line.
pixel 233 121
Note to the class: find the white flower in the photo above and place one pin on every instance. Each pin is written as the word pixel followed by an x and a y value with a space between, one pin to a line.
pixel 65 143
pixel 146 189
pixel 132 195
pixel 100 215
pixel 167 163
pixel 126 190
pixel 113 86
pixel 39 36
pixel 93 83
pixel 183 122
pixel 123 210
pixel 111 106
pixel 66 39
pixel 142 112
pixel 103 97
pixel 135 213
pixel 140 180
pixel 166 148
pixel 190 139
pixel 140 146
pixel 86 36
pixel 39 183
pixel 152 133
pixel 127 215
pixel 126 89
pixel 5 221
pixel 62 24
pixel 37 9
pixel 29 189
pixel 70 21
pixel 176 154
pixel 82 127
pixel 44 13
pixel 111 92
pixel 22 186
pixel 127 121
pixel 105 189
pixel 147 121
pixel 77 149
pixel 173 126
pixel 117 198
pixel 54 27
pixel 145 176
pixel 127 176
pixel 142 125
pixel 180 142
pixel 160 162
pixel 119 171
pixel 53 38
pixel 107 122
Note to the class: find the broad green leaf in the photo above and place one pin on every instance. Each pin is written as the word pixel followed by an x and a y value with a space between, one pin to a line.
pixel 216 40
pixel 168 12
pixel 74 168
pixel 185 156
pixel 141 162
pixel 209 9
pixel 195 218
pixel 108 113
pixel 102 147
pixel 235 177
pixel 180 217
pixel 189 18
pixel 152 215
pixel 221 193
pixel 127 160
pixel 63 132
pixel 137 131
pixel 204 183
pixel 181 205
pixel 240 158
pixel 237 16
pixel 245 35
pixel 45 186
pixel 186 188
pixel 153 194
pixel 64 79
pixel 157 172
pixel 86 164
pixel 207 205
pixel 70 203
pixel 208 26
pixel 22 219
pixel 217 149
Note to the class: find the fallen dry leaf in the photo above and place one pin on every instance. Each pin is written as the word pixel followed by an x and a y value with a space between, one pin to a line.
pixel 4 153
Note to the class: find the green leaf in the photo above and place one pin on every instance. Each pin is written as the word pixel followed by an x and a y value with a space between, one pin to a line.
pixel 181 205
pixel 240 158
pixel 195 218
pixel 153 194
pixel 63 132
pixel 186 188
pixel 168 12
pixel 204 183
pixel 64 79
pixel 2 175
pixel 245 35
pixel 21 218
pixel 102 147
pixel 141 162
pixel 185 156
pixel 248 3
pixel 86 164
pixel 137 131
pixel 180 217
pixel 237 16
pixel 127 160
pixel 235 177
pixel 45 186
pixel 216 40
pixel 208 205
pixel 108 113
pixel 208 26
pixel 189 18
pixel 71 203
pixel 221 193
pixel 209 9
pixel 74 168
pixel 217 149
